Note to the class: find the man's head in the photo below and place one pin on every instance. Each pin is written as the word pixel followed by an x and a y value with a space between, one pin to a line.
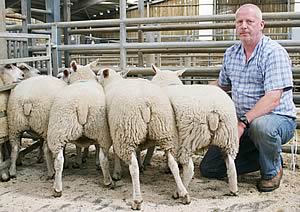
pixel 249 23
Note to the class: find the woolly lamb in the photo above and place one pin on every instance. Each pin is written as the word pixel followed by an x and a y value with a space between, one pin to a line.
pixel 28 110
pixel 205 115
pixel 8 74
pixel 138 109
pixel 65 76
pixel 78 115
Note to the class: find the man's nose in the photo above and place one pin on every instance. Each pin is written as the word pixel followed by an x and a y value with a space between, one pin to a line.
pixel 244 24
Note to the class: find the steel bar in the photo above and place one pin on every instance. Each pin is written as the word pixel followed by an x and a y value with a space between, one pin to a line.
pixel 291 23
pixel 23 35
pixel 158 20
pixel 40 11
pixel 24 59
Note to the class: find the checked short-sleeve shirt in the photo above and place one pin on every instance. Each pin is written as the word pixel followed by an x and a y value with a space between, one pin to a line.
pixel 268 68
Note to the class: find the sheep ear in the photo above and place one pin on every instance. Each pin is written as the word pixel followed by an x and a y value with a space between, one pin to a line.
pixel 66 72
pixel 73 65
pixel 22 67
pixel 95 63
pixel 180 72
pixel 8 66
pixel 105 73
pixel 155 69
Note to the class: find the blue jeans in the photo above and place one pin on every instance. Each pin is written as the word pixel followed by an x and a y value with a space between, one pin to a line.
pixel 260 148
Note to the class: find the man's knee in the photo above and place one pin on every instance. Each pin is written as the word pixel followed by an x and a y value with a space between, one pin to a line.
pixel 262 128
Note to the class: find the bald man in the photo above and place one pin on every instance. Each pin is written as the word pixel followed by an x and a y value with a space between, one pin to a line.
pixel 258 73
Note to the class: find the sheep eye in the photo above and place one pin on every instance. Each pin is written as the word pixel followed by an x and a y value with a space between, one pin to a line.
pixel 22 68
pixel 8 66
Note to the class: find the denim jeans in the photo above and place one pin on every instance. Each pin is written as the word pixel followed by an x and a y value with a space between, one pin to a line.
pixel 260 148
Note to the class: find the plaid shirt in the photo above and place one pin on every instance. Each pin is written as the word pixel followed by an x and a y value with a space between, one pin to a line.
pixel 269 68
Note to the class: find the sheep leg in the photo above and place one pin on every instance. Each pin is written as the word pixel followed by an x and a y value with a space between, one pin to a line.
pixel 117 173
pixel 148 156
pixel 14 142
pixel 4 176
pixel 105 167
pixel 135 177
pixel 97 158
pixel 49 161
pixel 78 160
pixel 188 172
pixel 85 154
pixel 232 176
pixel 40 152
pixel 181 190
pixel 138 157
pixel 58 166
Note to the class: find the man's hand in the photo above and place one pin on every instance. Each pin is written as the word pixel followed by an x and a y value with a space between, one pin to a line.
pixel 241 129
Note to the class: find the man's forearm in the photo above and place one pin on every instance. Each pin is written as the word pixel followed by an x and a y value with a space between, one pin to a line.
pixel 265 105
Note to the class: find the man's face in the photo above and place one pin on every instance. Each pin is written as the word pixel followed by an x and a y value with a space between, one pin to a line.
pixel 248 26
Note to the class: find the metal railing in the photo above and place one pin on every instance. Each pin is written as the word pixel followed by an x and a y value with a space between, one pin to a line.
pixel 10 37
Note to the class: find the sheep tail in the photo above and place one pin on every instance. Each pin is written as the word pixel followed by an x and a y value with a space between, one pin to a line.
pixel 82 113
pixel 146 113
pixel 213 121
pixel 27 107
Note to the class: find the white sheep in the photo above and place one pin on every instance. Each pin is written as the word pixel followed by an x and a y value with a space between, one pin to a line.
pixel 205 115
pixel 139 112
pixel 78 115
pixel 65 74
pixel 8 74
pixel 28 110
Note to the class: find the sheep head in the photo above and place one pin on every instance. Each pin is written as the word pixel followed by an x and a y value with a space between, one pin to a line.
pixel 95 65
pixel 10 74
pixel 77 72
pixel 107 75
pixel 28 70
pixel 166 77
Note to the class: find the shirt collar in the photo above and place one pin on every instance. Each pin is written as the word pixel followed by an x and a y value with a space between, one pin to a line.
pixel 256 50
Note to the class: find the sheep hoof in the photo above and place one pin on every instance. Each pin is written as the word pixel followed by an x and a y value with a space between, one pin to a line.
pixel 175 195
pixel 50 177
pixel 110 185
pixel 136 205
pixel 98 167
pixel 116 176
pixel 57 193
pixel 5 177
pixel 12 173
pixel 235 194
pixel 186 199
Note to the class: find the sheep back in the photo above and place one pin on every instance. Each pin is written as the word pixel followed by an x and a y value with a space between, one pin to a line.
pixel 79 111
pixel 138 109
pixel 205 115
pixel 30 102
